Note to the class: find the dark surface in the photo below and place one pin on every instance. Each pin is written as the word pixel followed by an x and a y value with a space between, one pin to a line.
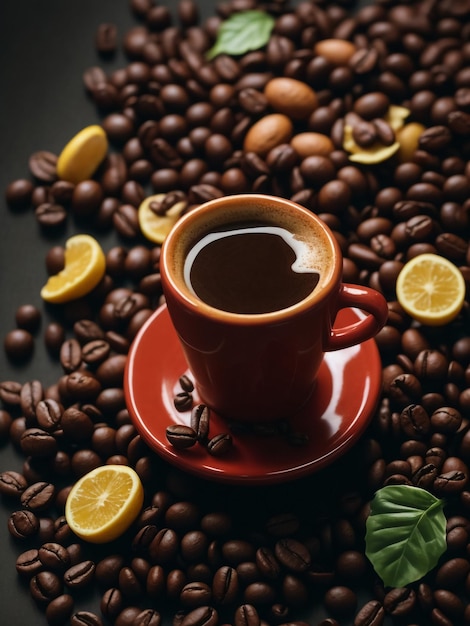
pixel 45 47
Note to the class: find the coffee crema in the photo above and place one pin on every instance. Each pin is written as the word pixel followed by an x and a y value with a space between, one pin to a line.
pixel 250 268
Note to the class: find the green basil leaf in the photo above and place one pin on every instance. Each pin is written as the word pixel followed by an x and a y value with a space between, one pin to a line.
pixel 241 32
pixel 405 534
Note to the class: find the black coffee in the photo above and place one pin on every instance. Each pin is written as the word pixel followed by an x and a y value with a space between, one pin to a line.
pixel 250 269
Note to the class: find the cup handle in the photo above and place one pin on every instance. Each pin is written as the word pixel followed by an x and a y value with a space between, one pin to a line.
pixel 368 300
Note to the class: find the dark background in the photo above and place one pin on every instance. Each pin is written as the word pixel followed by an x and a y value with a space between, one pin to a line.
pixel 45 46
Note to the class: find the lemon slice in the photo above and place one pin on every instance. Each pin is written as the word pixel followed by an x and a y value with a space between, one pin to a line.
pixel 431 289
pixel 85 265
pixel 156 227
pixel 103 504
pixel 83 154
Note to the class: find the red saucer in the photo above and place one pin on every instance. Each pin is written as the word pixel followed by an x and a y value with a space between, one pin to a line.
pixel 346 396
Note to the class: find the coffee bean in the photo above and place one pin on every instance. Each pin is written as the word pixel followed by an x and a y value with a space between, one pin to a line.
pixel 38 443
pixel 340 601
pixel 85 618
pixel 415 421
pixel 45 586
pixel 38 496
pixel 80 575
pixel 50 215
pixel 54 556
pixel 164 546
pixel 195 594
pixel 371 614
pixel 12 484
pixel 106 39
pixel 10 392
pixel 23 524
pixel 202 616
pixel 246 615
pixel 107 570
pixel 183 401
pixel 220 444
pixel 225 585
pixel 28 563
pixel 59 609
pixel 48 414
pixel 181 436
pixel 42 166
pixel 18 344
pixel 292 554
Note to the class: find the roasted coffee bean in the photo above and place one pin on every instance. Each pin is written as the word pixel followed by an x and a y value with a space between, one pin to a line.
pixel 371 614
pixel 107 570
pixel 182 515
pixel 340 601
pixel 80 575
pixel 129 584
pixel 400 601
pixel 48 414
pixel 85 618
pixel 42 166
pixel 181 436
pixel 220 444
pixel 202 616
pixel 164 546
pixel 225 585
pixel 236 551
pixel 183 401
pixel 28 563
pixel 54 556
pixel 246 615
pixel 45 586
pixel 148 617
pixel 292 554
pixel 82 386
pixel 23 524
pixel 414 421
pixel 452 481
pixel 76 424
pixel 59 610
pixel 267 563
pixel 106 38
pixel 50 215
pixel 38 496
pixel 111 603
pixel 12 484
pixel 31 394
pixel 195 594
pixel 38 443
pixel 95 352
pixel 451 573
pixel 10 392
pixel 87 330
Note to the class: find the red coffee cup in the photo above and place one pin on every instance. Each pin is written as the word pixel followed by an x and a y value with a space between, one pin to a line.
pixel 259 366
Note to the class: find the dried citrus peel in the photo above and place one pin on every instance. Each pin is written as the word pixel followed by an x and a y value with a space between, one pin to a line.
pixel 377 152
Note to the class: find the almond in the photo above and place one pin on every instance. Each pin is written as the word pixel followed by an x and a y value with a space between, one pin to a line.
pixel 291 97
pixel 336 51
pixel 310 143
pixel 267 133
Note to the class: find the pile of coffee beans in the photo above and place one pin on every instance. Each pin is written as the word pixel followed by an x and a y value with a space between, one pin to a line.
pixel 201 553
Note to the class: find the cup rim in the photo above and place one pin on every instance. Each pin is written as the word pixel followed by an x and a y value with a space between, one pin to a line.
pixel 198 306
